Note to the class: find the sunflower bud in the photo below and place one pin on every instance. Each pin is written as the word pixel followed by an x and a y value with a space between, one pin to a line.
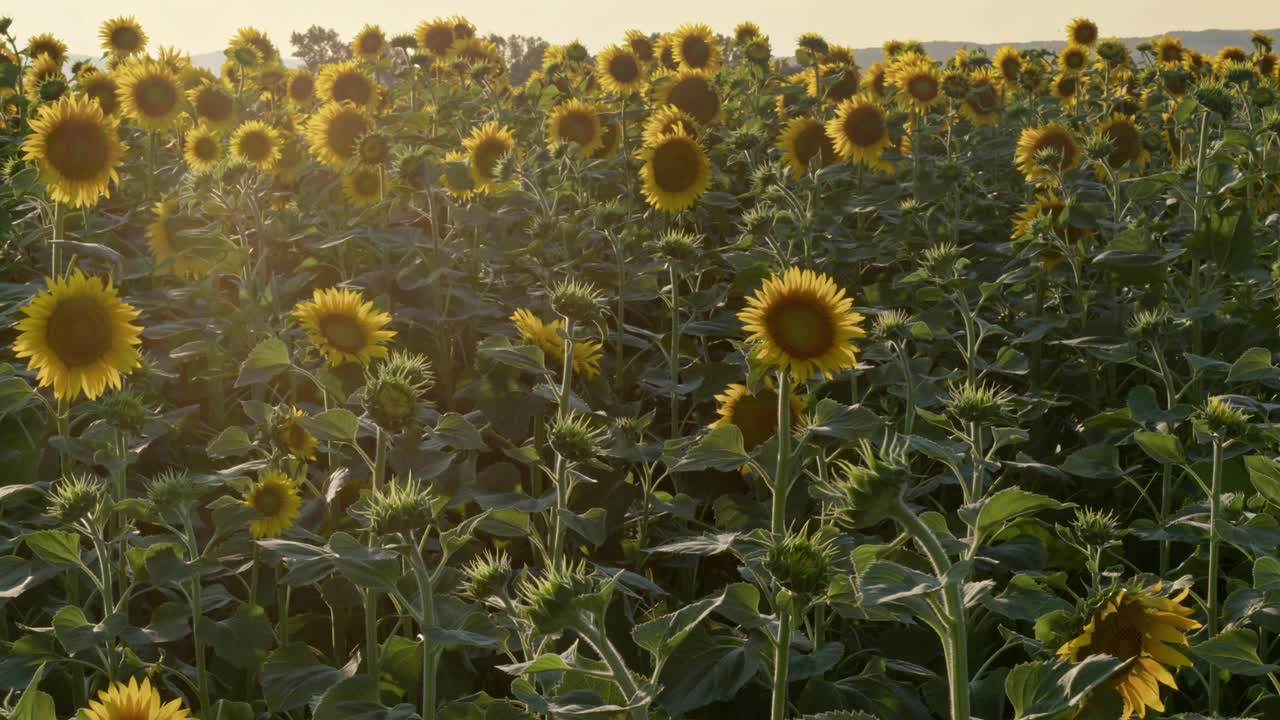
pixel 395 390
pixel 125 411
pixel 955 84
pixel 572 438
pixel 758 51
pixel 553 601
pixel 172 492
pixel 374 148
pixel 1098 146
pixel 1262 42
pixel 801 564
pixel 1239 73
pixel 892 325
pixel 971 402
pixel 579 302
pixel 1215 97
pixel 75 498
pixel 870 494
pixel 1095 528
pixel 402 507
pixel 5 24
pixel 812 43
pixel 576 52
pixel 1223 420
pixel 942 261
pixel 677 246
pixel 288 435
pixel 487 576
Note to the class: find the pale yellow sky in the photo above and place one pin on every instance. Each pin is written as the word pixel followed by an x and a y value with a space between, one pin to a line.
pixel 204 26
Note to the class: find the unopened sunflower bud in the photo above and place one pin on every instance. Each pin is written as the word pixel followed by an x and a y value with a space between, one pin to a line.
pixel 572 438
pixel 870 494
pixel 403 507
pixel 487 576
pixel 5 24
pixel 553 601
pixel 395 390
pixel 1223 420
pixel 1149 324
pixel 75 498
pixel 801 564
pixel 1095 528
pixel 678 246
pixel 971 402
pixel 579 302
pixel 1214 97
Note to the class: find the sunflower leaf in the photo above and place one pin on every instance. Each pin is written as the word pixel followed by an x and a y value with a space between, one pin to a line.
pixel 1235 651
pixel 266 360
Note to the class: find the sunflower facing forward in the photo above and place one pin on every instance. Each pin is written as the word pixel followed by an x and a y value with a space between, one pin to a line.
pixel 694 47
pixel 102 87
pixel 132 701
pixel 151 94
pixel 1127 149
pixel 77 149
pixel 919 83
pixel 276 497
pixel 370 43
pixel 1137 625
pixel 291 437
pixel 344 326
pixel 693 92
pixel 123 37
pixel 347 82
pixel 201 149
pixel 860 133
pixel 362 187
pixel 79 336
pixel 755 414
pixel 804 322
pixel 575 122
pixel 676 171
pixel 486 146
pixel 1046 150
pixel 804 141
pixel 619 70
pixel 213 105
pixel 258 144
pixel 334 132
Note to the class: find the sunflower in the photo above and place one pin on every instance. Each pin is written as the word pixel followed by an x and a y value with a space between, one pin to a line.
pixel 258 40
pixel 102 87
pixel 1229 54
pixel 77 149
pixel 619 70
pixel 456 178
pixel 213 105
pixel 919 83
pixel 694 47
pixel 755 414
pixel 1036 142
pixel 804 322
pixel 1008 64
pixel 803 141
pixel 370 43
pixel 676 171
pixel 1137 625
pixel 293 438
pixel 1048 205
pixel 745 32
pixel 876 80
pixel 1082 31
pixel 692 92
pixel 1168 50
pixel 860 133
pixel 574 122
pixel 435 37
pixel 344 326
pixel 666 119
pixel 151 94
pixel 640 44
pixel 164 236
pixel 300 87
pixel 1073 59
pixel 362 187
pixel 44 69
pixel 132 701
pixel 78 334
pixel 1065 87
pixel 201 149
pixel 48 45
pixel 347 82
pixel 334 132
pixel 1126 142
pixel 981 102
pixel 839 55
pixel 832 82
pixel 586 353
pixel 123 37
pixel 275 496
pixel 258 144
pixel 486 146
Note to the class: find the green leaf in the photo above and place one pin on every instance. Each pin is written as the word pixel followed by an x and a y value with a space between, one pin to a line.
pixel 591 525
pixel 1042 689
pixel 357 698
pixel 1253 365
pixel 241 639
pixel 365 566
pixel 266 360
pixel 35 704
pixel 720 449
pixel 336 425
pixel 1264 473
pixel 16 576
pixel 661 636
pixel 526 358
pixel 1161 447
pixel 453 431
pixel 842 422
pixel 1098 462
pixel 293 675
pixel 707 669
pixel 1009 504
pixel 231 442
pixel 55 546
pixel 1235 651
pixel 230 710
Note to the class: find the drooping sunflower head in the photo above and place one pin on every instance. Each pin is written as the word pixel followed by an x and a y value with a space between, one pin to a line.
pixel 1049 209
pixel 1125 139
pixel 131 701
pixel 151 94
pixel 693 92
pixel 213 105
pixel 860 133
pixel 334 132
pixel 370 43
pixel 1008 64
pixel 77 149
pixel 919 83
pixel 666 119
pixel 486 146
pixel 695 47
pixel 344 326
pixel 301 87
pixel 803 322
pixel 981 103
pixel 1073 59
pixel 102 86
pixel 362 187
pixel 754 414
pixel 122 37
pixel 435 36
pixel 619 70
pixel 1230 54
pixel 168 236
pixel 1082 31
pixel 258 40
pixel 275 496
pixel 640 44
pixel 804 141
pixel 47 45
pixel 833 82
pixel 676 171
pixel 290 436
pixel 745 32
pixel 43 80
pixel 258 144
pixel 876 80
pixel 347 82
pixel 1045 151
pixel 201 149
pixel 1138 625
pixel 79 336
pixel 575 123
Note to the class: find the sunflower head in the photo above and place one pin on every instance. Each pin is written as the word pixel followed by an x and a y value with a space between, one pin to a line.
pixel 677 246
pixel 578 301
pixel 344 326
pixel 971 402
pixel 76 497
pixel 575 123
pixel 77 149
pixel 395 390
pixel 640 44
pixel 1082 31
pixel 1073 59
pixel 1136 624
pixel 102 87
pixel 173 242
pixel 665 119
pixel 289 436
pixel 573 437
pixel 436 36
pixel 693 92
pixel 362 186
pixel 151 94
pixel 1223 419
pixel 804 142
pixel 919 83
pixel 202 149
pixel 486 146
pixel 259 41
pixel 1046 151
pixel 619 70
pixel 676 171
pixel 347 82
pixel 487 575
pixel 135 702
pixel 47 45
pixel 553 600
pixel 276 498
pixel 802 322
pixel 334 132
pixel 300 87
pixel 695 47
pixel 755 414
pixel 213 104
pixel 832 82
pixel 803 563
pixel 369 44
pixel 1124 142
pixel 257 144
pixel 860 133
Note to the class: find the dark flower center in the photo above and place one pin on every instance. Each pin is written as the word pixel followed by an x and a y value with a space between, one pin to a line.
pixel 801 328
pixel 864 127
pixel 675 165
pixel 125 39
pixel 354 87
pixel 577 127
pixel 79 331
pixel 343 332
pixel 155 96
pixel 78 149
pixel 623 68
pixel 214 106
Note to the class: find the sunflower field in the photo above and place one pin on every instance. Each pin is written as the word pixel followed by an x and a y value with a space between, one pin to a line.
pixel 673 381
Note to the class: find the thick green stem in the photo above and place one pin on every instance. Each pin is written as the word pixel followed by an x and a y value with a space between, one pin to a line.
pixel 782 656
pixel 197 614
pixel 1215 509
pixel 371 632
pixel 379 460
pixel 781 484
pixel 675 350
pixel 617 667
pixel 430 653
